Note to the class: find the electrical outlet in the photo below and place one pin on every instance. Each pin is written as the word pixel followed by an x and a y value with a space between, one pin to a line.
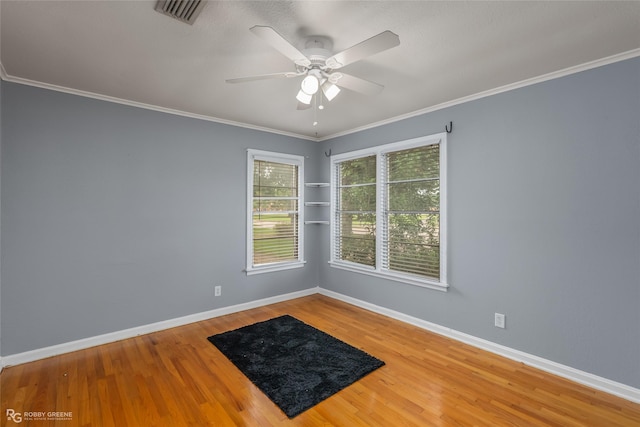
pixel 217 291
pixel 500 320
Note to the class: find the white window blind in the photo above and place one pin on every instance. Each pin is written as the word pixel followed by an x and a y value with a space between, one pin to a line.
pixel 412 211
pixel 389 211
pixel 356 211
pixel 275 218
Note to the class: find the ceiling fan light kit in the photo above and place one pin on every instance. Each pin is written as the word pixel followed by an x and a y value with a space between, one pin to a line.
pixel 330 90
pixel 318 65
pixel 304 97
pixel 310 84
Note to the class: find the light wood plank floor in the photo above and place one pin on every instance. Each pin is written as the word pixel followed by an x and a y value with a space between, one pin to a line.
pixel 177 378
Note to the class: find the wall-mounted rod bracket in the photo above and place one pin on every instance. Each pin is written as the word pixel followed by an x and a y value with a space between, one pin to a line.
pixel 450 128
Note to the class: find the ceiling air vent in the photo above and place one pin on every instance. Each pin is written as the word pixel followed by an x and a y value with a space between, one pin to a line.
pixel 182 10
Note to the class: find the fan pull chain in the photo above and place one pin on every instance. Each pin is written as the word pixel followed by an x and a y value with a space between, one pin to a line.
pixel 315 110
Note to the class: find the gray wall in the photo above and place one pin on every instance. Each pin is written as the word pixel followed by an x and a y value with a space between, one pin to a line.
pixel 0 219
pixel 544 221
pixel 115 217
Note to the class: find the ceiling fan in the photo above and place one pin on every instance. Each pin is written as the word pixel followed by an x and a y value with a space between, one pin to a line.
pixel 318 64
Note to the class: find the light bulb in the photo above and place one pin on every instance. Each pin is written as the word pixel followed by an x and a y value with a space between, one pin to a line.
pixel 330 90
pixel 303 97
pixel 310 85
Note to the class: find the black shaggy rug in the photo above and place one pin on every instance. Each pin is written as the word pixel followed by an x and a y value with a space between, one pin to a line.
pixel 294 364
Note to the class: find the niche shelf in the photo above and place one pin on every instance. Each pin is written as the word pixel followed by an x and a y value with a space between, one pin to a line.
pixel 317 204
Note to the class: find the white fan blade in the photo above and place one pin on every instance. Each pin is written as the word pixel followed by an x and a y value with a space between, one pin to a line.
pixel 376 44
pixel 272 37
pixel 357 84
pixel 264 77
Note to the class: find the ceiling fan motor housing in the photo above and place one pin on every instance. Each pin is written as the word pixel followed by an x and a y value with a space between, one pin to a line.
pixel 317 49
pixel 318 64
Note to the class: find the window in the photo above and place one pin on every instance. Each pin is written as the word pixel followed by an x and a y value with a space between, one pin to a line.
pixel 356 207
pixel 389 211
pixel 274 219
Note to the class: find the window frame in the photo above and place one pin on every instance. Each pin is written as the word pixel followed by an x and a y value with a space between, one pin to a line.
pixel 288 159
pixel 378 271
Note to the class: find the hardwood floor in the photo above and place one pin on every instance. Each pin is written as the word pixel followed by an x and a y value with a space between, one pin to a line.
pixel 177 378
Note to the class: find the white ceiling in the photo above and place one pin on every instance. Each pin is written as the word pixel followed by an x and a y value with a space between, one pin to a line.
pixel 125 50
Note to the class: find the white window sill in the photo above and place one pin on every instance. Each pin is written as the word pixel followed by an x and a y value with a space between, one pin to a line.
pixel 411 280
pixel 274 267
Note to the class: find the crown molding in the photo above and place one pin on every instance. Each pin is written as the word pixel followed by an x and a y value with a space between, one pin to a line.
pixel 3 73
pixel 517 85
pixel 27 82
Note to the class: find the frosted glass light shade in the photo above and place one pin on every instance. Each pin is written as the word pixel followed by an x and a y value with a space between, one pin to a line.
pixel 303 97
pixel 310 85
pixel 330 90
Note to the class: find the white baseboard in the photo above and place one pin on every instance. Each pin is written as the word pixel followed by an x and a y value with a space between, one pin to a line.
pixel 599 383
pixel 30 356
